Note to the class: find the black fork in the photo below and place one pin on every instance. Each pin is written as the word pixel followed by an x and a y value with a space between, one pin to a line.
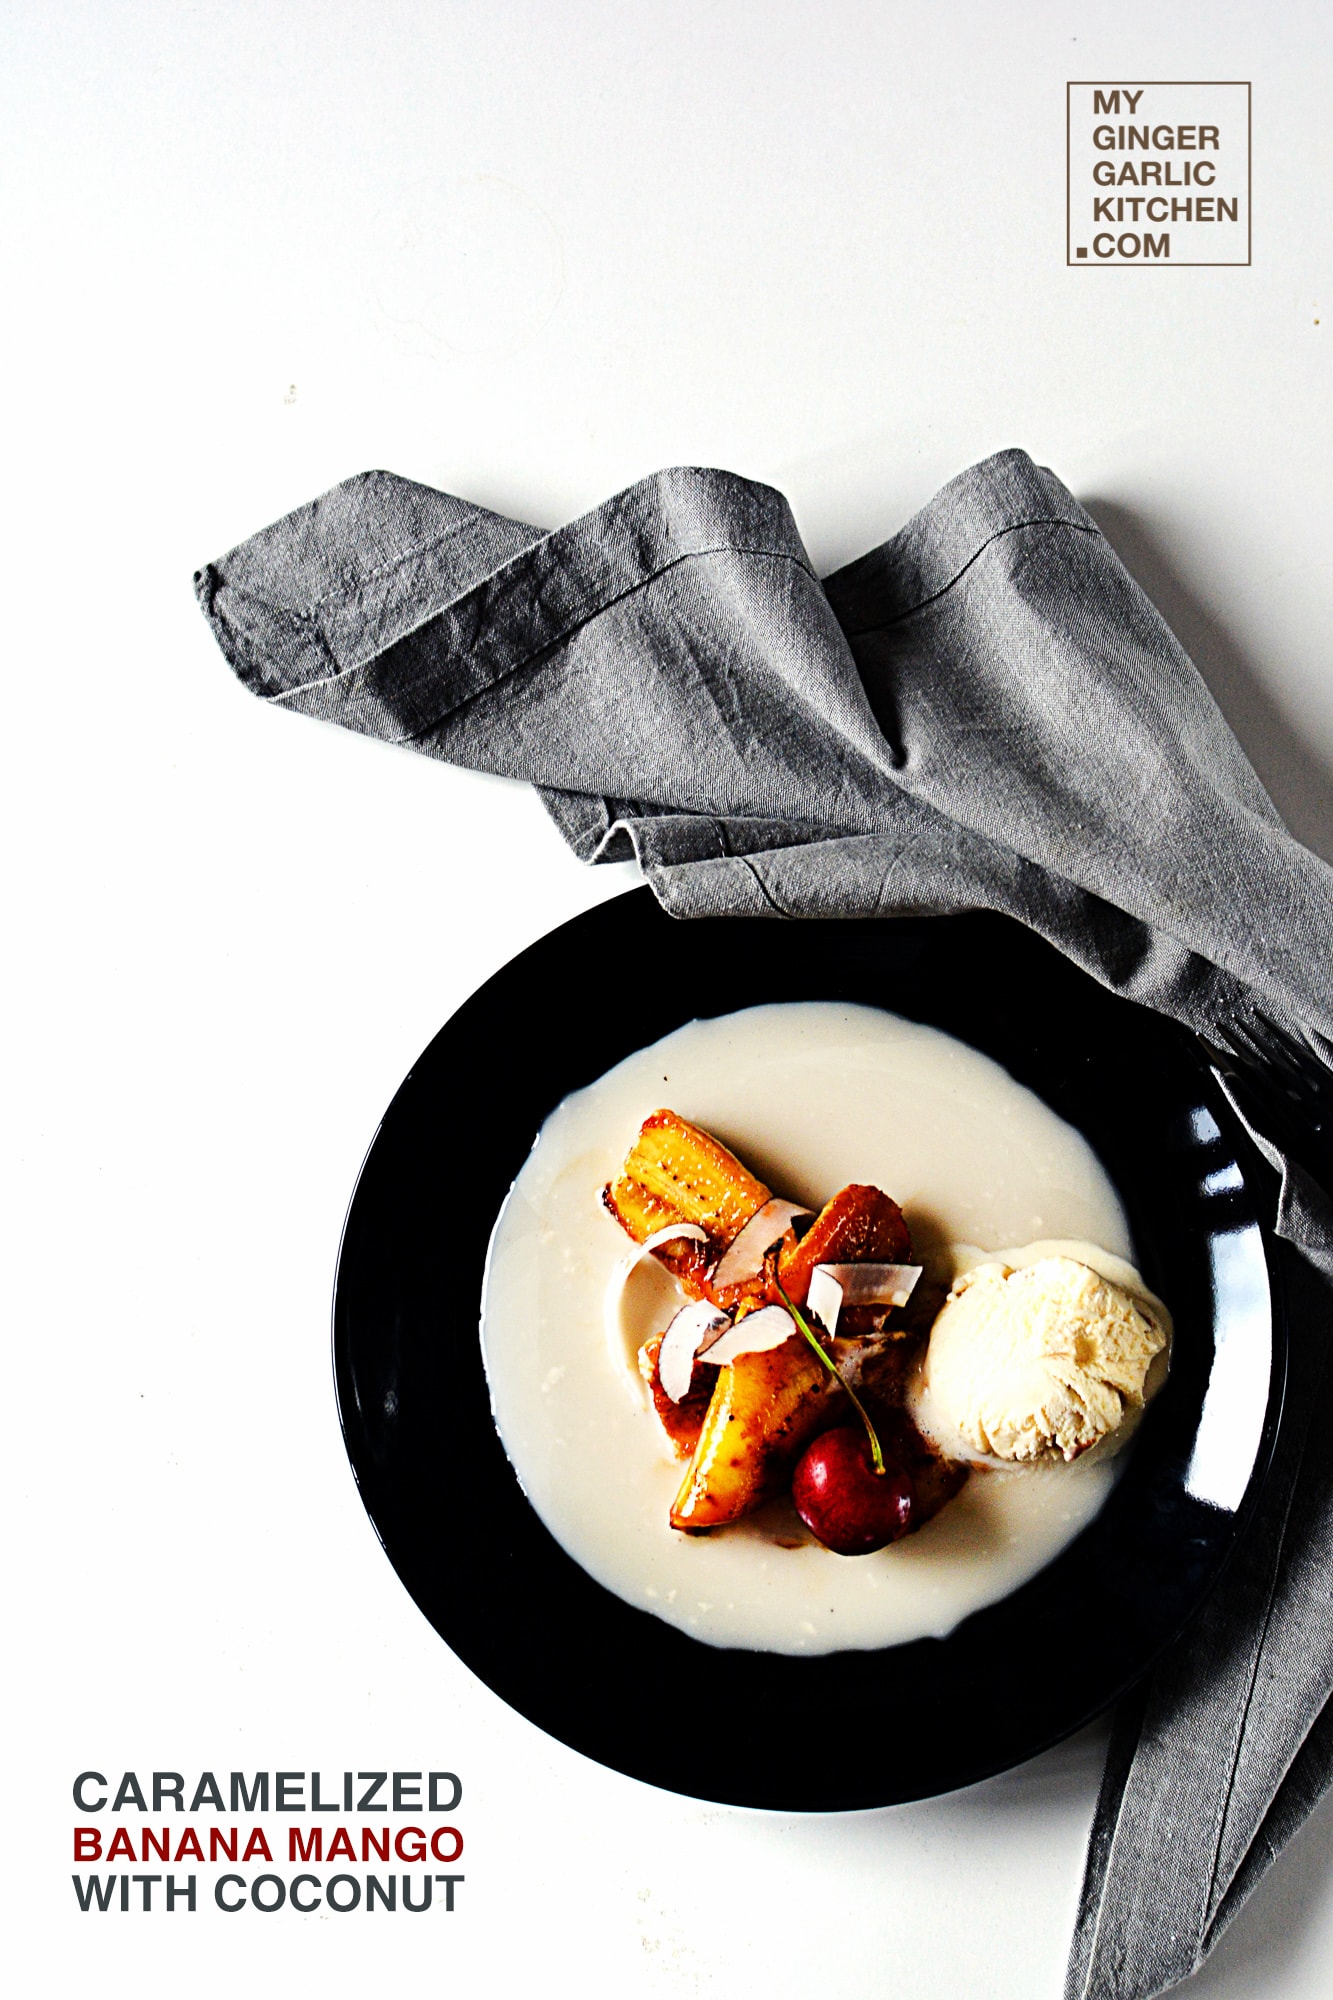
pixel 1284 1084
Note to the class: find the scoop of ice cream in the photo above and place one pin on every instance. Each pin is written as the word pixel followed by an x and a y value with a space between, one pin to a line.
pixel 1039 1361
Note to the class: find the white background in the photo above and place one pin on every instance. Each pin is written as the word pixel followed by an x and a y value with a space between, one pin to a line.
pixel 525 252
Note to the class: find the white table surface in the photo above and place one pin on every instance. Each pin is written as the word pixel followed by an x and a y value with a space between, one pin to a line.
pixel 526 252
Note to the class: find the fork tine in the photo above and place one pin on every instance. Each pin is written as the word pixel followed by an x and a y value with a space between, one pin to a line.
pixel 1246 1044
pixel 1262 1040
pixel 1286 1090
pixel 1239 1039
pixel 1307 1078
pixel 1299 1049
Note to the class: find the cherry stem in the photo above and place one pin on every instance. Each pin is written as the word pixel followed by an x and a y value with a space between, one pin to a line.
pixel 832 1366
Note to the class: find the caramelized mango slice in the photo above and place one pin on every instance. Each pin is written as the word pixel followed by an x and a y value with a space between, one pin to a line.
pixel 861 1225
pixel 764 1411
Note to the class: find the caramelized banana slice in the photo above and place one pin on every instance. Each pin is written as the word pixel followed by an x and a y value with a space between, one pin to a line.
pixel 765 1410
pixel 675 1172
pixel 684 1420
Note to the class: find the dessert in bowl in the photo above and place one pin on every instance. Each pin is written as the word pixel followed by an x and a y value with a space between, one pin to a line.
pixel 812 1153
pixel 1143 1159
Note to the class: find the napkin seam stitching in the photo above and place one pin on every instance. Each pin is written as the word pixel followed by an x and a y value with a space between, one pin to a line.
pixel 1270 1598
pixel 1014 528
pixel 1223 1917
pixel 897 862
pixel 633 825
pixel 547 646
pixel 772 901
pixel 1213 1901
pixel 412 552
pixel 1089 1936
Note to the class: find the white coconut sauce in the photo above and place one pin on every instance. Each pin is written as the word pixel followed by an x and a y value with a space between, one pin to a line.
pixel 810 1097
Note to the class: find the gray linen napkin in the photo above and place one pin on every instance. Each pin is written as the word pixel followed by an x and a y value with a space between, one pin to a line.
pixel 986 712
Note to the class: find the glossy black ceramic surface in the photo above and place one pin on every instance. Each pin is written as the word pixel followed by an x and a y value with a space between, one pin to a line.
pixel 850 1729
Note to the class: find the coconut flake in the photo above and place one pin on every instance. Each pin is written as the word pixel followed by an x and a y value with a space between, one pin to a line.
pixel 687 1333
pixel 689 1232
pixel 833 1286
pixel 755 1334
pixel 824 1298
pixel 744 1256
pixel 669 1234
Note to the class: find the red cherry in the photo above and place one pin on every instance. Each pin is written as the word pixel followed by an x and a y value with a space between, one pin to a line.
pixel 844 1502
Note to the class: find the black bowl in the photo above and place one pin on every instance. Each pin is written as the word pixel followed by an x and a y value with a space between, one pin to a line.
pixel 841 1730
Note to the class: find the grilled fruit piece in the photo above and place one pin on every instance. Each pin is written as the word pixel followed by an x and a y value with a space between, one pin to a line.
pixel 935 1479
pixel 764 1411
pixel 674 1172
pixel 877 1365
pixel 861 1225
pixel 684 1420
